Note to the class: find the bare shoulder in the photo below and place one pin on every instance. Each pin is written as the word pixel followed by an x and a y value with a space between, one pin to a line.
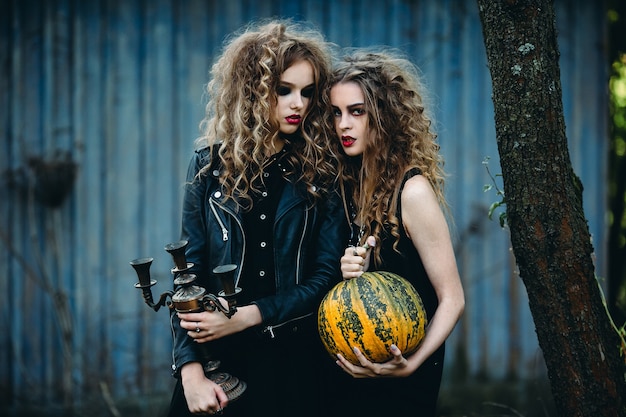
pixel 417 189
pixel 421 214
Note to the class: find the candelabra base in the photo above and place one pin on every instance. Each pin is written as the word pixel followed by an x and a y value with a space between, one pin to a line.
pixel 233 387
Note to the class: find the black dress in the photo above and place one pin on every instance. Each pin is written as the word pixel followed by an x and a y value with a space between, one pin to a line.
pixel 415 395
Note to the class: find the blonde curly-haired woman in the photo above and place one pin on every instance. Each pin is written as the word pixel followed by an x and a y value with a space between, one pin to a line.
pixel 261 194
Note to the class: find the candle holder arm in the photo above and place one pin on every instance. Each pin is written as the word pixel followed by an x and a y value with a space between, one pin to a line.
pixel 211 302
pixel 163 301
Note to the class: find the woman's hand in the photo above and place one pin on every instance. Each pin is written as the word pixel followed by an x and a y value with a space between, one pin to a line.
pixel 356 259
pixel 397 366
pixel 211 325
pixel 203 395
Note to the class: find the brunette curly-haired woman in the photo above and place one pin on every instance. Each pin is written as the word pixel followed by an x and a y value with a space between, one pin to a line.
pixel 394 179
pixel 261 194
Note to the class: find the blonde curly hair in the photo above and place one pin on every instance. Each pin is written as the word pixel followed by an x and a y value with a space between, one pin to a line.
pixel 401 138
pixel 242 95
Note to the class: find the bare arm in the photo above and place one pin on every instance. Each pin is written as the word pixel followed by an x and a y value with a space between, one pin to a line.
pixel 426 226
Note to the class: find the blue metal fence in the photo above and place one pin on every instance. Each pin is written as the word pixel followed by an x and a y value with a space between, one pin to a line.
pixel 117 86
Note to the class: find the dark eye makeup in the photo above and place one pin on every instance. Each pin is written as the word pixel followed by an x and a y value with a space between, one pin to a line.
pixel 306 92
pixel 283 90
pixel 355 111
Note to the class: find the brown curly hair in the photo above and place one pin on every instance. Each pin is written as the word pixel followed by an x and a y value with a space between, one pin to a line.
pixel 242 96
pixel 401 138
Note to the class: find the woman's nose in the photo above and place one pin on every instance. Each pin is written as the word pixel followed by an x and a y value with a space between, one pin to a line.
pixel 344 122
pixel 296 102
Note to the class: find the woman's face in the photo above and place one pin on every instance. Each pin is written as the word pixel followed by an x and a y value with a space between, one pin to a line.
pixel 294 95
pixel 351 119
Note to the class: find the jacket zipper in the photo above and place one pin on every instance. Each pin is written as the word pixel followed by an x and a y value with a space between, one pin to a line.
pixel 306 223
pixel 270 329
pixel 212 204
pixel 219 221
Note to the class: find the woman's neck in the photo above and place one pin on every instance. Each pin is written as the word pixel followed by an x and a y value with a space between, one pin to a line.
pixel 277 145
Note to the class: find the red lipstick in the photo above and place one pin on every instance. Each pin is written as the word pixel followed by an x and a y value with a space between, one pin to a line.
pixel 347 141
pixel 294 119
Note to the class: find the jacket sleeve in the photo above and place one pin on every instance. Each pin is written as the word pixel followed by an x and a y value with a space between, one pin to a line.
pixel 320 268
pixel 193 227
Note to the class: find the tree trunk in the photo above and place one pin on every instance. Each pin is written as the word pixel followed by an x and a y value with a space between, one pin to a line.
pixel 543 197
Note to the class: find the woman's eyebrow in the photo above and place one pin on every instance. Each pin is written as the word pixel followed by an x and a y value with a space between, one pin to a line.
pixel 287 83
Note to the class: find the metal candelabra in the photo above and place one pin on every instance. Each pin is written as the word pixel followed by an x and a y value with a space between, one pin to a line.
pixel 191 298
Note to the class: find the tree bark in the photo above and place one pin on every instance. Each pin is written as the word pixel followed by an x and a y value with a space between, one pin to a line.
pixel 543 197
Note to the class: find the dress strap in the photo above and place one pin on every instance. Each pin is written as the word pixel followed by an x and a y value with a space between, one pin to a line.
pixel 409 174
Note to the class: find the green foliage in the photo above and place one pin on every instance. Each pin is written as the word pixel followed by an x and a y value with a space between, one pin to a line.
pixel 499 204
pixel 617 85
pixel 617 186
pixel 621 331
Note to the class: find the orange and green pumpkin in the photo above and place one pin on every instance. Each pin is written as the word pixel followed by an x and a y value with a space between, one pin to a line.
pixel 372 312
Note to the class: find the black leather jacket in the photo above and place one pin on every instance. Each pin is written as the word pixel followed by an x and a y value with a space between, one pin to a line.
pixel 309 241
